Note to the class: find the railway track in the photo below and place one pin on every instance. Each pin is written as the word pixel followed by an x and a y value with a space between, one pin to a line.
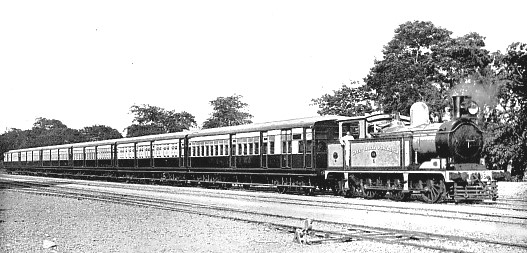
pixel 440 211
pixel 370 206
pixel 326 230
pixel 421 210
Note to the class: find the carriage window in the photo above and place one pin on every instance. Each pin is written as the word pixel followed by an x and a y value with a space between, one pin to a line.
pixel 286 147
pixel 353 128
pixel 251 148
pixel 256 148
pixel 271 147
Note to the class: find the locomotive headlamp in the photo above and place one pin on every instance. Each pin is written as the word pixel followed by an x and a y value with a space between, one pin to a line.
pixel 473 108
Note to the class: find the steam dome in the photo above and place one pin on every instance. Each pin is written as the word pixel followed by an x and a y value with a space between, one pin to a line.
pixel 419 114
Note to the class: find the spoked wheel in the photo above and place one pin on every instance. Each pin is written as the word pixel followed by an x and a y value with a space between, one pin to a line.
pixel 369 194
pixel 336 188
pixel 435 191
pixel 226 186
pixel 336 191
pixel 282 189
pixel 352 192
pixel 399 196
pixel 380 194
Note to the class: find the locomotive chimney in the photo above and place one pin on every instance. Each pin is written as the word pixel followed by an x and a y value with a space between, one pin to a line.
pixel 457 102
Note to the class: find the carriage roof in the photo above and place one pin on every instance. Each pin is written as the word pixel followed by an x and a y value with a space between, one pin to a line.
pixel 254 127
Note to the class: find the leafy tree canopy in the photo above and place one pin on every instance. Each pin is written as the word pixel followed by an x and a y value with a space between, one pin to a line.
pixel 48 124
pixel 422 63
pixel 507 128
pixel 228 111
pixel 350 100
pixel 99 133
pixel 156 120
pixel 47 132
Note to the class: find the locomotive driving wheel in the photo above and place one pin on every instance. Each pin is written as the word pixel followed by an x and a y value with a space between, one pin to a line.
pixel 434 190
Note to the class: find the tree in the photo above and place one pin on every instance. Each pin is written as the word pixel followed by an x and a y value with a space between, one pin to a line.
pixel 12 139
pixel 155 120
pixel 227 111
pixel 99 133
pixel 347 101
pixel 508 141
pixel 47 124
pixel 423 63
pixel 47 132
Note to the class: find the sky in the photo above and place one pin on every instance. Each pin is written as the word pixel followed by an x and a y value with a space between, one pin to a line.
pixel 86 63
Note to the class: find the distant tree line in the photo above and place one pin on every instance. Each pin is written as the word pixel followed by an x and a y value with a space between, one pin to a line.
pixel 424 63
pixel 47 132
pixel 148 120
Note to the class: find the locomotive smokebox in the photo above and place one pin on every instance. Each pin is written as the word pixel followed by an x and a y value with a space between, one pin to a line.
pixel 461 140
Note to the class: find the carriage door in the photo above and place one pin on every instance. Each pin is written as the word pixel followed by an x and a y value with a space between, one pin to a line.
pixel 307 147
pixel 286 155
pixel 264 142
pixel 232 153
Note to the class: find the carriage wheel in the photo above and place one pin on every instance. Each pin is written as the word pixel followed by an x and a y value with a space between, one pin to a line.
pixel 399 196
pixel 352 192
pixel 369 194
pixel 336 191
pixel 309 191
pixel 380 194
pixel 435 191
pixel 282 189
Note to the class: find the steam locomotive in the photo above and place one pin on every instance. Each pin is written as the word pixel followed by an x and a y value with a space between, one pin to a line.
pixel 438 161
pixel 368 156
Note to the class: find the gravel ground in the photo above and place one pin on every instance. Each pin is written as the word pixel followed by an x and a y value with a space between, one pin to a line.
pixel 28 222
pixel 517 190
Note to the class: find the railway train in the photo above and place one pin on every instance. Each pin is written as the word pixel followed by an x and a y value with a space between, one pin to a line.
pixel 371 156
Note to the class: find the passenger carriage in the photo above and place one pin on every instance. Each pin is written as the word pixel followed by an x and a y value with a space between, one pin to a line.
pixel 283 154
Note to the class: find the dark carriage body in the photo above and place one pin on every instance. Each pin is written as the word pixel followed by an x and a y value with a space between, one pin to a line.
pixel 290 152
